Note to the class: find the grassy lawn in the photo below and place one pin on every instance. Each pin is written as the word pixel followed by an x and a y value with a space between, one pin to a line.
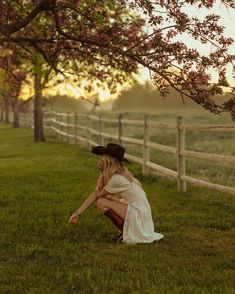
pixel 41 185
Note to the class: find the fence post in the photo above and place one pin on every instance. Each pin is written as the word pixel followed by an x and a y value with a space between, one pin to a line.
pixel 61 127
pixel 120 128
pixel 47 117
pixel 180 155
pixel 101 128
pixel 68 127
pixel 28 120
pixel 31 120
pixel 53 122
pixel 57 126
pixel 88 135
pixel 44 122
pixel 146 147
pixel 76 127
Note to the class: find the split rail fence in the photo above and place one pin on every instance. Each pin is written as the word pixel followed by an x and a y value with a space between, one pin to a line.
pixel 66 126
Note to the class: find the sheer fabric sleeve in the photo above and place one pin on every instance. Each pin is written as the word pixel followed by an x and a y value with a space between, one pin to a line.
pixel 117 184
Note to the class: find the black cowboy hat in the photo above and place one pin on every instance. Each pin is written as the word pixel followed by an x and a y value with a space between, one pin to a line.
pixel 112 149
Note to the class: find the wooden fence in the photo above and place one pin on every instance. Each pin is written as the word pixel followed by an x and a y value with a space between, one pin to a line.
pixel 66 126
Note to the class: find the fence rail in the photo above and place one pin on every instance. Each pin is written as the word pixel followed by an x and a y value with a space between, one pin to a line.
pixel 53 122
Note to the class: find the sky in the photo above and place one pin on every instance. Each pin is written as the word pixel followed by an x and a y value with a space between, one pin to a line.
pixel 227 20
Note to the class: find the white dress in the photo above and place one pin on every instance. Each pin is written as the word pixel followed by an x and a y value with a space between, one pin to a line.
pixel 138 225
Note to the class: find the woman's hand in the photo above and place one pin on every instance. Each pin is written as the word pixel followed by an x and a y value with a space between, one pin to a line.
pixel 74 218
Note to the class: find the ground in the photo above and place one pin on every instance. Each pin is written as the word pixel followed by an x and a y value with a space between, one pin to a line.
pixel 40 252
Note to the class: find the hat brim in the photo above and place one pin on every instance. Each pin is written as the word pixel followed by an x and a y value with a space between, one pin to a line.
pixel 100 150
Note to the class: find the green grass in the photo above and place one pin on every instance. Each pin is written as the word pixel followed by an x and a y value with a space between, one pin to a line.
pixel 43 183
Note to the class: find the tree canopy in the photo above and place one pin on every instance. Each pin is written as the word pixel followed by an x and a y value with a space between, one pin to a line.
pixel 108 40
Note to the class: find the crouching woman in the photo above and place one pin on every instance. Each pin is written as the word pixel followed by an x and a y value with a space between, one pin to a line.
pixel 131 212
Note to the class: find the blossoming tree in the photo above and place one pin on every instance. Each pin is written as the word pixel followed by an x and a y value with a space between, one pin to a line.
pixel 107 40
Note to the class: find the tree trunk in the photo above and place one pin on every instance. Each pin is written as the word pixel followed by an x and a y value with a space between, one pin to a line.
pixel 15 108
pixel 38 113
pixel 2 113
pixel 6 110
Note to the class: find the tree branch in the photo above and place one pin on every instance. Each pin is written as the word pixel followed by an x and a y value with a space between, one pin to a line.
pixel 12 28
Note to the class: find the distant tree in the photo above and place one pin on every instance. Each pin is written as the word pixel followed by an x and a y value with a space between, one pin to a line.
pixel 13 75
pixel 107 40
pixel 145 97
pixel 64 103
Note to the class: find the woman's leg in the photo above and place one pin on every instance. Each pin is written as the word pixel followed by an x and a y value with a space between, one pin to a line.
pixel 117 206
pixel 115 210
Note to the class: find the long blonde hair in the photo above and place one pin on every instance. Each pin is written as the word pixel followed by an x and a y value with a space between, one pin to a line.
pixel 112 166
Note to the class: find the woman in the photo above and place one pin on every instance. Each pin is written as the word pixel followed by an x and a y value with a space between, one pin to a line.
pixel 131 213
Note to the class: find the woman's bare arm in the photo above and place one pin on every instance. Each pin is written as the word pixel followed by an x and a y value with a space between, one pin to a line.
pixel 86 204
pixel 102 193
